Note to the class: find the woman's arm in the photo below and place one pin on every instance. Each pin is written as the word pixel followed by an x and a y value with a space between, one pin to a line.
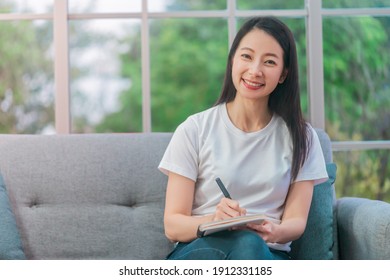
pixel 294 217
pixel 179 223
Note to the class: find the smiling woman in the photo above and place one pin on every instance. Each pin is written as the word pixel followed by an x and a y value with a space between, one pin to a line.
pixel 243 133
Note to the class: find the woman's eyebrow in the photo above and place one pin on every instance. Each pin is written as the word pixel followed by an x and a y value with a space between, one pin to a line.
pixel 271 54
pixel 247 49
pixel 266 54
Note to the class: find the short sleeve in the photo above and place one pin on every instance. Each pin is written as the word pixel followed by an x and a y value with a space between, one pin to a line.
pixel 181 155
pixel 314 167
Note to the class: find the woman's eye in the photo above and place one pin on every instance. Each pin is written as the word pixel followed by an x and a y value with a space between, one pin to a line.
pixel 270 62
pixel 246 56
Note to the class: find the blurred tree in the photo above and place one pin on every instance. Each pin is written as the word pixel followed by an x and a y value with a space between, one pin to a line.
pixel 27 71
pixel 357 95
pixel 26 76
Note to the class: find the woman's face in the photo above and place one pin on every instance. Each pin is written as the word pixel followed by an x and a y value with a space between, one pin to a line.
pixel 257 65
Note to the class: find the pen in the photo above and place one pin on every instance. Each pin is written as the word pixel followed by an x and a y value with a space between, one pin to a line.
pixel 223 189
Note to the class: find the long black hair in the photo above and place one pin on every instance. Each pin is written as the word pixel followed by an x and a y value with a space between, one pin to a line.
pixel 285 99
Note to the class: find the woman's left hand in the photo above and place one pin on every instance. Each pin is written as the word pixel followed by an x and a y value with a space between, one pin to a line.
pixel 267 230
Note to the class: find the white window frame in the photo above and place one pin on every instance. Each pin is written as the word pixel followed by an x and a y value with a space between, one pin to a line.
pixel 312 12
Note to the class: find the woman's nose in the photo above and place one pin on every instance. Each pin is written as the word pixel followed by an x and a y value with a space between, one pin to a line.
pixel 256 69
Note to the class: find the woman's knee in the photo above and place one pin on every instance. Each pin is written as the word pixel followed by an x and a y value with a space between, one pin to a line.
pixel 248 238
pixel 249 245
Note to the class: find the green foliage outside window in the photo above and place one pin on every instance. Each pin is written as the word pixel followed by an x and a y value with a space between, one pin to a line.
pixel 26 76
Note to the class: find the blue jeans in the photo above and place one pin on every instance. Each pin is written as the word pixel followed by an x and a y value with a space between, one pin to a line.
pixel 227 245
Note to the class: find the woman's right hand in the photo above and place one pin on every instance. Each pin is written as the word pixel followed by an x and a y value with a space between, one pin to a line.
pixel 228 208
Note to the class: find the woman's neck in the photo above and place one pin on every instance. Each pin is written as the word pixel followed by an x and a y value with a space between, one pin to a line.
pixel 249 116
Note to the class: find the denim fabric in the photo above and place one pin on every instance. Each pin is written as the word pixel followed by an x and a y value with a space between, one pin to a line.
pixel 227 245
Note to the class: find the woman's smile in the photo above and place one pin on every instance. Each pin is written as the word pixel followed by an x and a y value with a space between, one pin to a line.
pixel 252 85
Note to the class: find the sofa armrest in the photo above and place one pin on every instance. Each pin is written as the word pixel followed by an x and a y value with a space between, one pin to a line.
pixel 363 228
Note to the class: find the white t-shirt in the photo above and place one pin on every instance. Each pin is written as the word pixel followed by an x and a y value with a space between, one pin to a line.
pixel 255 167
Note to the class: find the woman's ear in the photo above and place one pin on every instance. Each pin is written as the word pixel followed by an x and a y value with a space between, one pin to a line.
pixel 283 76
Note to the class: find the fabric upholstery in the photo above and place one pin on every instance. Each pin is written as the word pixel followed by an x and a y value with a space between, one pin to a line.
pixel 327 151
pixel 88 196
pixel 364 228
pixel 10 244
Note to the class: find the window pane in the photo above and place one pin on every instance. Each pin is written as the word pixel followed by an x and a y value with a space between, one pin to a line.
pixel 27 6
pixel 188 60
pixel 363 174
pixel 357 74
pixel 266 4
pixel 104 6
pixel 185 5
pixel 355 4
pixel 105 76
pixel 26 77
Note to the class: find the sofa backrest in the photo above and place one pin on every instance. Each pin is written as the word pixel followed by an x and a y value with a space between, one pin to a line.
pixel 97 196
pixel 100 196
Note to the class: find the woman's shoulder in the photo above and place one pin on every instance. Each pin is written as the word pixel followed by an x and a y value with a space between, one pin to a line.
pixel 282 126
pixel 198 121
pixel 202 118
pixel 311 132
pixel 205 114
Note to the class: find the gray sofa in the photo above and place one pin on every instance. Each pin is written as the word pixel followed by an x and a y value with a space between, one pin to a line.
pixel 100 196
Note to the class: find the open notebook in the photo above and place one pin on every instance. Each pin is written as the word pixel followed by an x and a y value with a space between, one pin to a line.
pixel 211 227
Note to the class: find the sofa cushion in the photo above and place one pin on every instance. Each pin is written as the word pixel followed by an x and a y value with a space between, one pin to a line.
pixel 317 241
pixel 363 228
pixel 10 243
pixel 80 196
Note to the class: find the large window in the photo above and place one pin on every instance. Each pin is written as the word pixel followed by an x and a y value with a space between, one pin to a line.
pixel 83 66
